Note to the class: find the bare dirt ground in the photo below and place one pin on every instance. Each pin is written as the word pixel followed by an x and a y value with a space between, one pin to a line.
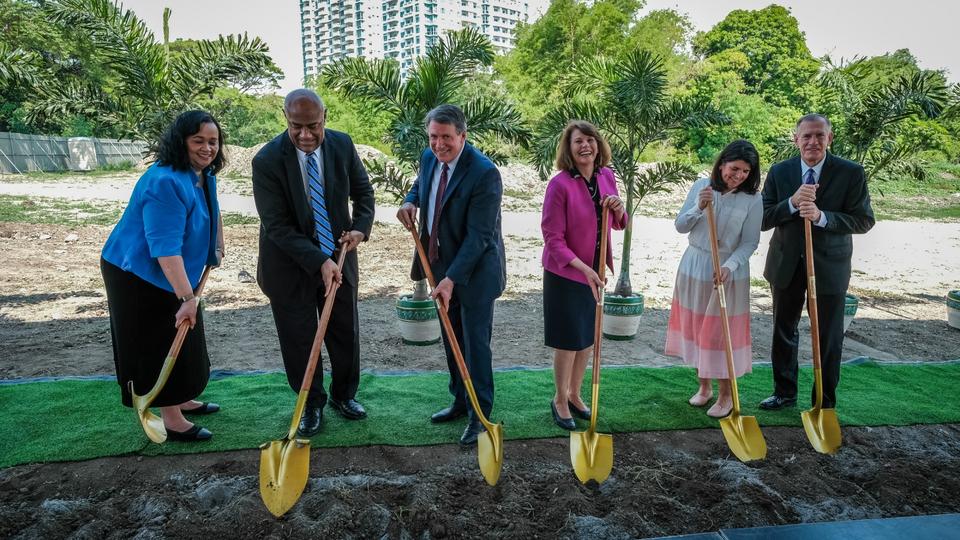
pixel 53 323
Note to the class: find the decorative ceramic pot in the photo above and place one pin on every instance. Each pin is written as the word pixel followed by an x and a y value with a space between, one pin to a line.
pixel 953 309
pixel 849 310
pixel 621 316
pixel 419 323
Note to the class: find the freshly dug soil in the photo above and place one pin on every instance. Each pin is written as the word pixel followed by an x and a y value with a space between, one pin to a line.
pixel 663 483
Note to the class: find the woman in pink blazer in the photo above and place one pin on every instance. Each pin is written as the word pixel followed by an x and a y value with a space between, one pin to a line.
pixel 571 251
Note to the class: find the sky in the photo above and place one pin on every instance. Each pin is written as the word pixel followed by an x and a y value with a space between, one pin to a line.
pixel 840 28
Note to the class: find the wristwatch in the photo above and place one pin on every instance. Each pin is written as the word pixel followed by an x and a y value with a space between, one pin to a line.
pixel 186 298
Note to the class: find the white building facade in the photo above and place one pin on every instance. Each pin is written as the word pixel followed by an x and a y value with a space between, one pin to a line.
pixel 332 29
pixel 401 29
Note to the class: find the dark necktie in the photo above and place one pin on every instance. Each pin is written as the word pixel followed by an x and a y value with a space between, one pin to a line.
pixel 809 179
pixel 434 249
pixel 319 206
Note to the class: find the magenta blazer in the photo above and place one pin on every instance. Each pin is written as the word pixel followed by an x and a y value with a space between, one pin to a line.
pixel 569 223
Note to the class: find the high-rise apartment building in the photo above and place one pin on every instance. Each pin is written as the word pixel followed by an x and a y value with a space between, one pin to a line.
pixel 401 29
pixel 332 29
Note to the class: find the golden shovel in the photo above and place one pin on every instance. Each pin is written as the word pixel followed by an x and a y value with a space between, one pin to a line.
pixel 590 452
pixel 490 443
pixel 153 424
pixel 821 425
pixel 742 433
pixel 285 464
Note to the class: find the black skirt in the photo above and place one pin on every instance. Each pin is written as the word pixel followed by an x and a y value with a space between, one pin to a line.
pixel 141 326
pixel 569 312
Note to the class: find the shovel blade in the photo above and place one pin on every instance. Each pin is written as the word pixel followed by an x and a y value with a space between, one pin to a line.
pixel 490 453
pixel 744 437
pixel 284 468
pixel 823 429
pixel 592 455
pixel 151 423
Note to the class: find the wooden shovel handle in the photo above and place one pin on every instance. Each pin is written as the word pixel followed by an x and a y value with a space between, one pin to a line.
pixel 451 336
pixel 315 349
pixel 598 321
pixel 174 351
pixel 812 310
pixel 721 297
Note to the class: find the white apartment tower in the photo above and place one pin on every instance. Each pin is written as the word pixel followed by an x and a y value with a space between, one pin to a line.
pixel 401 29
pixel 412 26
pixel 332 29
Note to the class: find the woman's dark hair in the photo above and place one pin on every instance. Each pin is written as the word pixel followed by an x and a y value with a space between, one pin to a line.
pixel 743 150
pixel 565 161
pixel 173 143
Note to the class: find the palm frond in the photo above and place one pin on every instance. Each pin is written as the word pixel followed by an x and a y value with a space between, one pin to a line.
pixel 389 177
pixel 123 41
pixel 376 82
pixel 487 117
pixel 661 178
pixel 17 66
pixel 213 63
pixel 448 63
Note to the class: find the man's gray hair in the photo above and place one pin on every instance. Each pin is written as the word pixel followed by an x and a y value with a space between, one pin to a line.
pixel 301 94
pixel 448 114
pixel 815 117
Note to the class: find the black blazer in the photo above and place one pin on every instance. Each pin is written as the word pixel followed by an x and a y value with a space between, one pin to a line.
pixel 471 244
pixel 290 257
pixel 842 196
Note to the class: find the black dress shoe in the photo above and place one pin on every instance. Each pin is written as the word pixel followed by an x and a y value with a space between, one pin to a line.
pixel 472 432
pixel 204 408
pixel 776 402
pixel 196 433
pixel 583 414
pixel 566 423
pixel 311 421
pixel 450 413
pixel 350 409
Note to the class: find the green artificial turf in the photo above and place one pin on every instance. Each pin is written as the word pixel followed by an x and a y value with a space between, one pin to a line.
pixel 69 420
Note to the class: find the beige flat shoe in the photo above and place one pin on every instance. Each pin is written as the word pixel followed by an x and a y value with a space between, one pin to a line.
pixel 699 400
pixel 719 412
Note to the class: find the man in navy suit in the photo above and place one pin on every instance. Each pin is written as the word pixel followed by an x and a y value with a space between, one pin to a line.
pixel 458 191
pixel 832 193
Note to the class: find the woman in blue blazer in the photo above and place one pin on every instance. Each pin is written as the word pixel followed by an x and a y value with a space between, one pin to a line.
pixel 152 263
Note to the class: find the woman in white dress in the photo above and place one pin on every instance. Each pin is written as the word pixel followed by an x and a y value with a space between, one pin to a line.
pixel 695 330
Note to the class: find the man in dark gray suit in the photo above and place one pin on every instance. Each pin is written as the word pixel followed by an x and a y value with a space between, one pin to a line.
pixel 303 182
pixel 832 193
pixel 458 192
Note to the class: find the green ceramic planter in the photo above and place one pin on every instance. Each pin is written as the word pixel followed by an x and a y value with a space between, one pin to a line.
pixel 418 320
pixel 953 309
pixel 849 310
pixel 621 316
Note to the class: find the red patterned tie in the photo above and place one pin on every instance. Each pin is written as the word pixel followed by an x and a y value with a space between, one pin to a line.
pixel 433 252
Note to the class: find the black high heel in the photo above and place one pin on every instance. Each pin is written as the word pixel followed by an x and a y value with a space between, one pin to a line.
pixel 583 414
pixel 566 423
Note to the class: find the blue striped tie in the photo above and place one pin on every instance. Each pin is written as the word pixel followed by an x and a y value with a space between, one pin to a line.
pixel 319 206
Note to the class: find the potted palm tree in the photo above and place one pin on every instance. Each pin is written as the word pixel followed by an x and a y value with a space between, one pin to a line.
pixel 436 79
pixel 626 99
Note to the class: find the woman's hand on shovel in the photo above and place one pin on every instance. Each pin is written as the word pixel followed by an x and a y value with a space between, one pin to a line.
pixel 187 312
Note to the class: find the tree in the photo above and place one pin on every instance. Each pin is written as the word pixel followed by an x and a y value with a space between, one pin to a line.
pixel 434 80
pixel 869 115
pixel 780 66
pixel 571 31
pixel 627 101
pixel 147 86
